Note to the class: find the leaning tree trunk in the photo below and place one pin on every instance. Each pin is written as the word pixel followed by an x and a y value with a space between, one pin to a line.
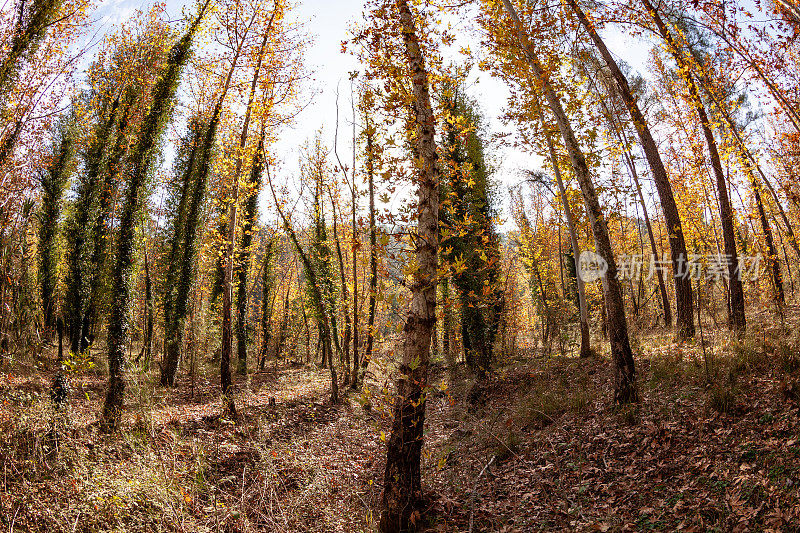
pixel 402 492
pixel 316 295
pixel 586 348
pixel 748 163
pixel 737 320
pixel 226 382
pixel 78 285
pixel 683 285
pixel 141 161
pixel 248 227
pixel 624 368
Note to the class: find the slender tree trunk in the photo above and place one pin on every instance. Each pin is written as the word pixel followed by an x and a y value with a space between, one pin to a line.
pixel 683 285
pixel 248 227
pixel 348 324
pixel 230 244
pixel 624 368
pixel 267 299
pixel 402 493
pixel 147 342
pixel 586 349
pixel 373 255
pixel 355 246
pixel 737 320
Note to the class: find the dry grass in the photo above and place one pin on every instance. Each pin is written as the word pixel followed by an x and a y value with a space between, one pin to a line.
pixel 713 445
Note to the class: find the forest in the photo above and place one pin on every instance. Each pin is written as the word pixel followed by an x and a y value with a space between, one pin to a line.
pixel 529 265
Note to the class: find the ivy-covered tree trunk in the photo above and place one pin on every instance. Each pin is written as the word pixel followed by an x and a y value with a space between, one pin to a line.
pixel 315 293
pixel 100 227
pixel 248 227
pixel 267 298
pixel 53 180
pixel 30 30
pixel 78 285
pixel 226 382
pixel 402 490
pixel 141 160
pixel 179 267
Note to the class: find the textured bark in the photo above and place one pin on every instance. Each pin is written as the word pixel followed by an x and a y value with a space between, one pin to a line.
pixel 267 299
pixel 683 285
pixel 54 180
pixel 402 493
pixel 147 342
pixel 624 368
pixel 736 319
pixel 78 277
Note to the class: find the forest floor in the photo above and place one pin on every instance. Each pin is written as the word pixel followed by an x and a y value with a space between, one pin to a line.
pixel 714 445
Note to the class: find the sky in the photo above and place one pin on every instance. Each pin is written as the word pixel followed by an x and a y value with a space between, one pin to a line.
pixel 328 22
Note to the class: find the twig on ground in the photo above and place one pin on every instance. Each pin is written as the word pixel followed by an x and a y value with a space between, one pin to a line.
pixel 474 490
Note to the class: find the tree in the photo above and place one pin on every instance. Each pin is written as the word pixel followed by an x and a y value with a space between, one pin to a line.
pixel 371 158
pixel 402 480
pixel 248 228
pixel 624 369
pixel 239 36
pixel 142 156
pixel 314 289
pixel 54 179
pixel 683 285
pixel 31 28
pixel 469 241
pixel 737 320
pixel 583 308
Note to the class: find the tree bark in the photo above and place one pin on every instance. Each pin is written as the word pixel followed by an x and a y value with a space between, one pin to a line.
pixel 683 285
pixel 402 493
pixel 737 320
pixel 373 257
pixel 139 166
pixel 624 368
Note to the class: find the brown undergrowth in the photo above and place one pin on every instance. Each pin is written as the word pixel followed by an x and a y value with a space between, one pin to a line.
pixel 714 446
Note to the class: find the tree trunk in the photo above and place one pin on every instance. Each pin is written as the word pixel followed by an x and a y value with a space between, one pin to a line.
pixel 683 285
pixel 147 342
pixel 586 349
pixel 373 256
pixel 737 320
pixel 316 295
pixel 139 166
pixel 624 368
pixel 402 491
pixel 227 284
